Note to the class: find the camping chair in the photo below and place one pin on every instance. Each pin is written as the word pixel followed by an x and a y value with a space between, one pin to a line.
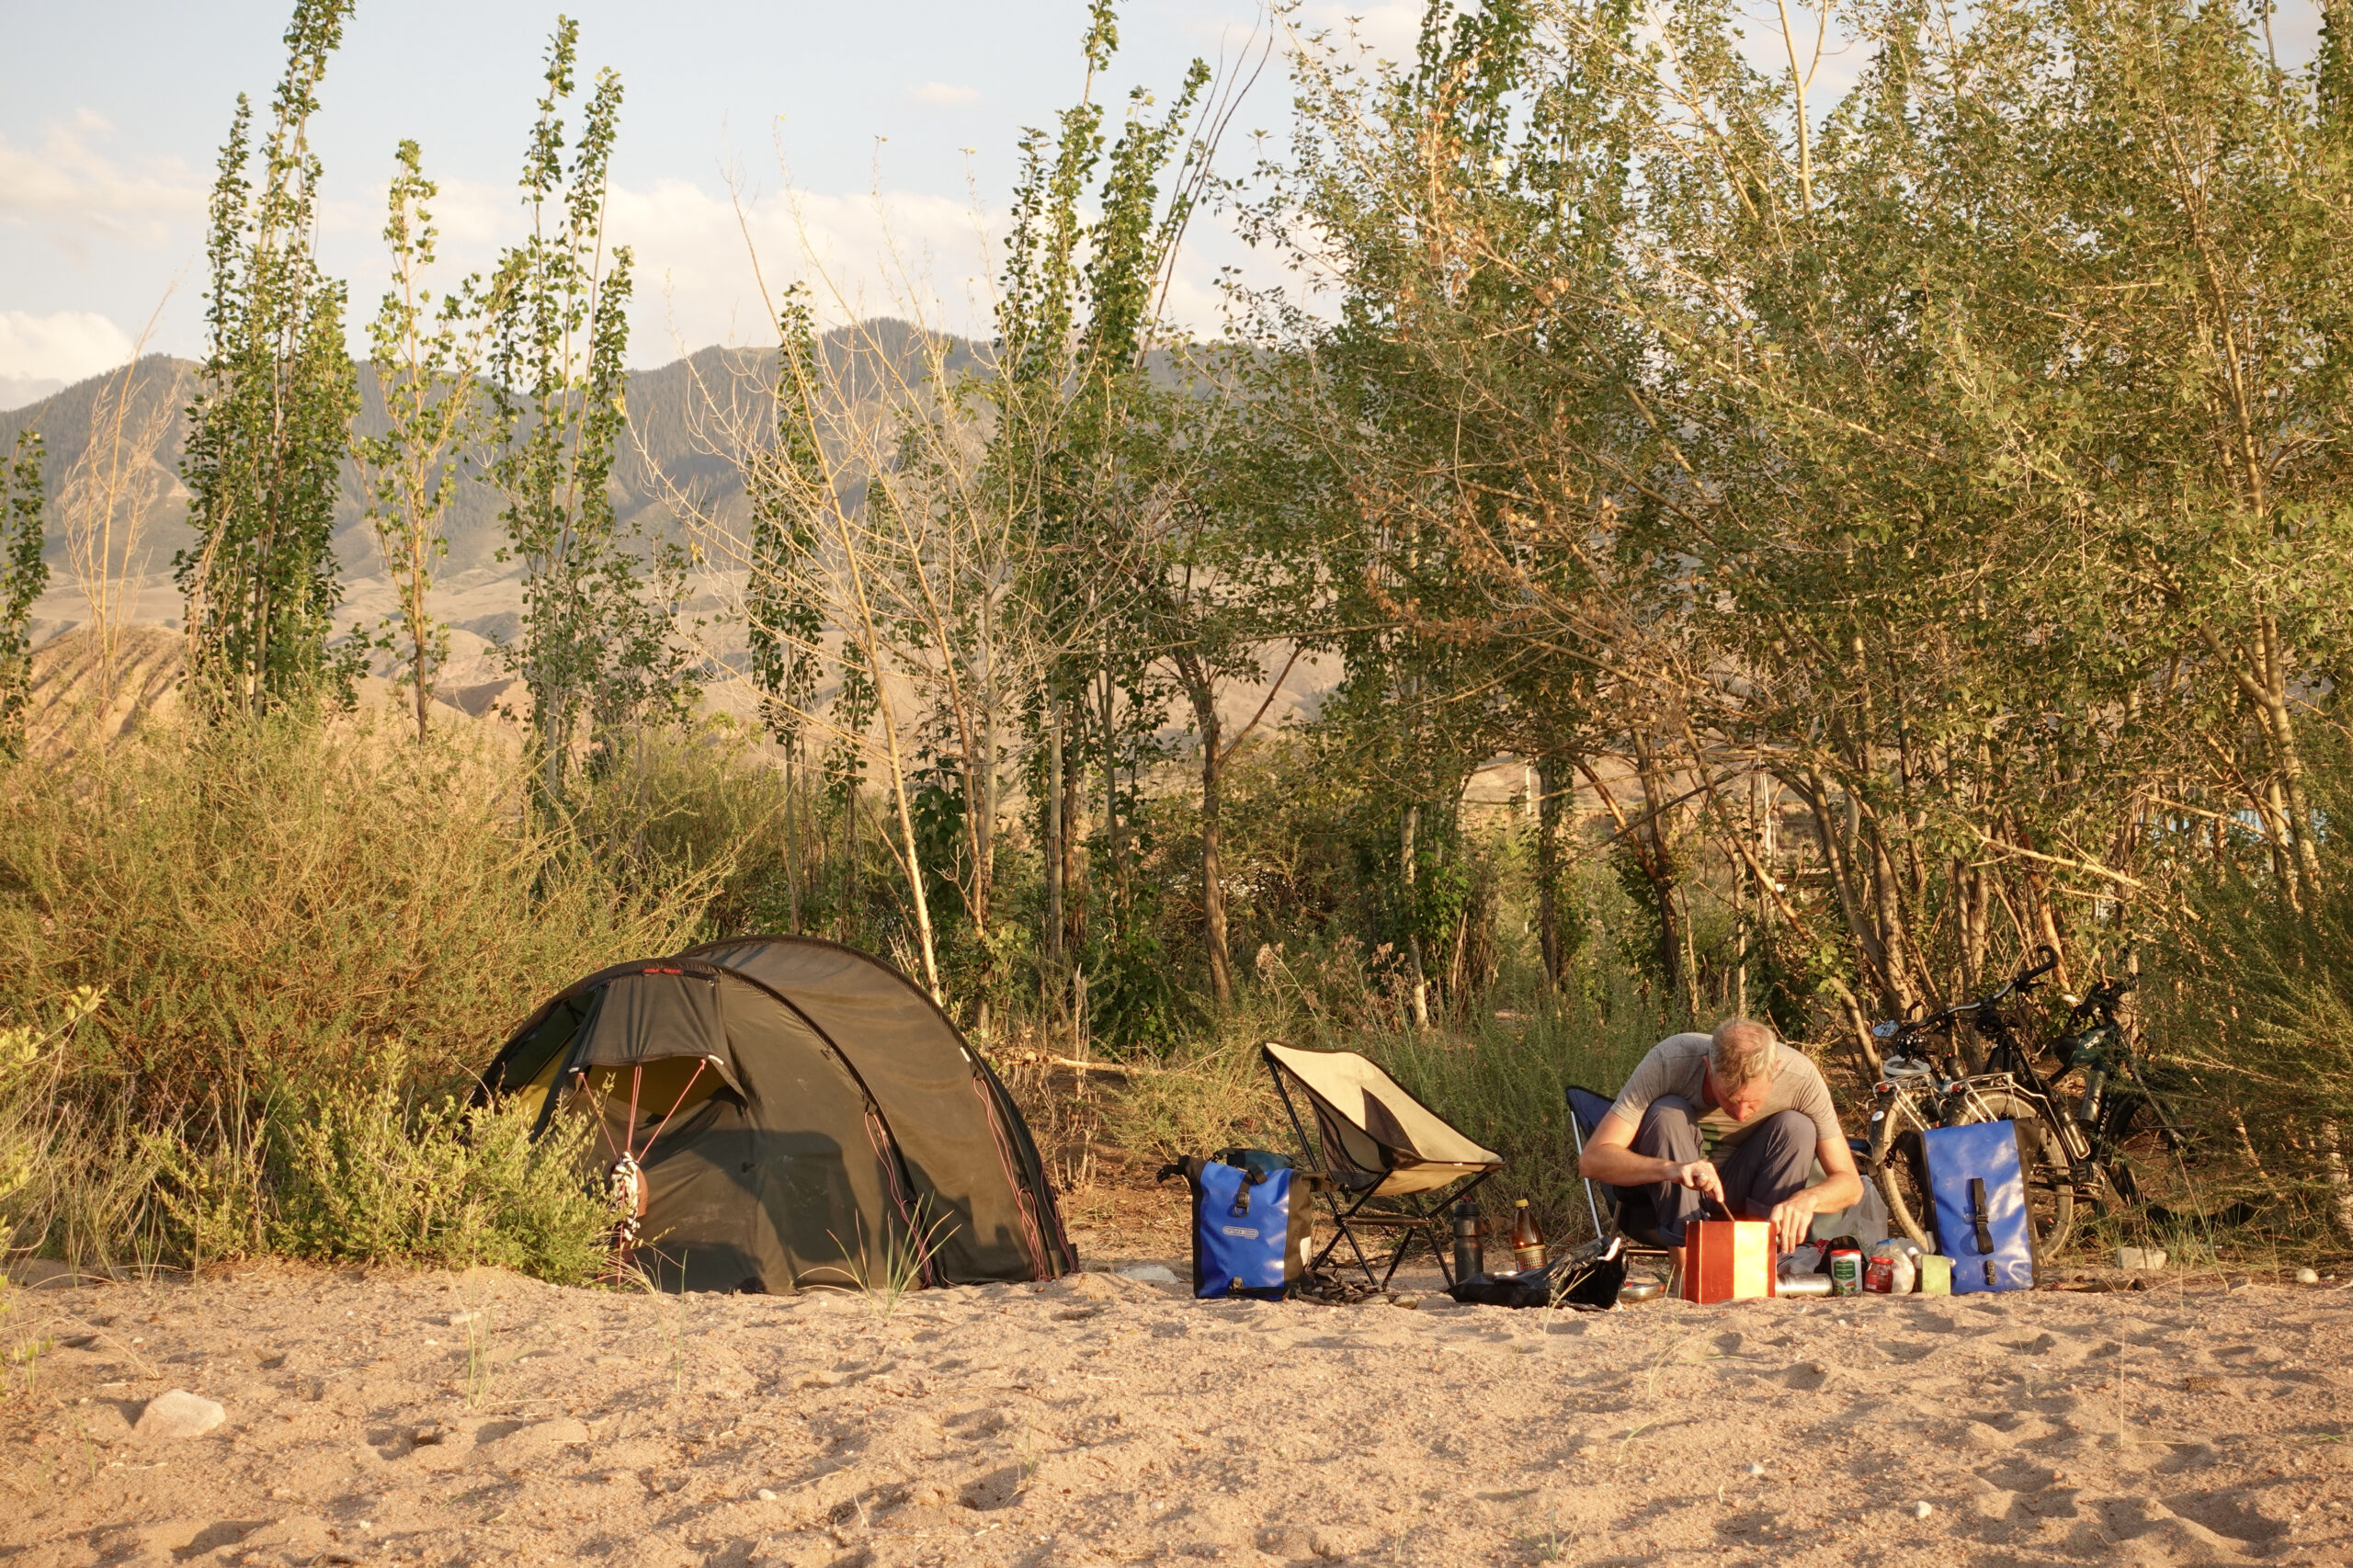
pixel 1585 1110
pixel 1387 1161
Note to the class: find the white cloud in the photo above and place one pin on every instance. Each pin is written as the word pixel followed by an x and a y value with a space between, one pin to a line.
pixel 902 253
pixel 17 391
pixel 944 93
pixel 67 185
pixel 64 346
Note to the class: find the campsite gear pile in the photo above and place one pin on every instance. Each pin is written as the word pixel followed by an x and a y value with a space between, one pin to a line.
pixel 1381 1160
pixel 777 1113
pixel 1593 1277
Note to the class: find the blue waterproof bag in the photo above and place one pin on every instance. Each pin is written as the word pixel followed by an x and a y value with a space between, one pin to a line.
pixel 1247 1239
pixel 1978 1183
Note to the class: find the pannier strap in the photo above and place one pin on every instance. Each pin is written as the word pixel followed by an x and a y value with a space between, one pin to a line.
pixel 1979 1217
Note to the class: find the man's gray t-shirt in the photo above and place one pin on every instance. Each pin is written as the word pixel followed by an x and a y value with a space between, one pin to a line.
pixel 1678 1065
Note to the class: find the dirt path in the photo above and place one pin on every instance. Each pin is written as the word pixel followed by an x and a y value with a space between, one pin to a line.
pixel 1101 1420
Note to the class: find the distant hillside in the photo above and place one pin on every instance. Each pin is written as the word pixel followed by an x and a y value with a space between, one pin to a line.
pixel 665 407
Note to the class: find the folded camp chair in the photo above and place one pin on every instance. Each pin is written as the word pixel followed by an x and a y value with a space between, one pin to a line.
pixel 1585 1110
pixel 1387 1161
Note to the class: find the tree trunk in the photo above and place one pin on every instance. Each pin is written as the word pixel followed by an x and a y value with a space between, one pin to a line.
pixel 2340 1182
pixel 1054 833
pixel 1658 866
pixel 1111 792
pixel 795 817
pixel 1553 778
pixel 1212 873
pixel 984 829
pixel 1418 1001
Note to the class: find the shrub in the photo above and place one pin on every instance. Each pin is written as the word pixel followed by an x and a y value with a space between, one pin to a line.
pixel 1502 1081
pixel 368 1179
pixel 268 916
pixel 267 905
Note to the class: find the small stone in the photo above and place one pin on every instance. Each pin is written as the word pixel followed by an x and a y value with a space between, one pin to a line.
pixel 1756 1469
pixel 1150 1274
pixel 1437 1302
pixel 2307 1276
pixel 764 1495
pixel 1922 1510
pixel 2139 1259
pixel 460 1320
pixel 178 1414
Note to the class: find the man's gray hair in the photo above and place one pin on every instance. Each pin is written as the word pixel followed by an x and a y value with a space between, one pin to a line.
pixel 1741 1050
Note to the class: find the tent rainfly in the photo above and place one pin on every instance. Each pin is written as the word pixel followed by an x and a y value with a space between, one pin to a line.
pixel 781 1112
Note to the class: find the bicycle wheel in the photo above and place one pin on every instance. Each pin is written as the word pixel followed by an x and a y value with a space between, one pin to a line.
pixel 2050 1194
pixel 1897 1165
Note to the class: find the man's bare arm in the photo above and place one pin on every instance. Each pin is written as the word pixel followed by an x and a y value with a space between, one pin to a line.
pixel 1609 1156
pixel 1840 1188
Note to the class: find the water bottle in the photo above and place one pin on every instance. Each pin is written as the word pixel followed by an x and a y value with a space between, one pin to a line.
pixel 2094 1090
pixel 1470 1242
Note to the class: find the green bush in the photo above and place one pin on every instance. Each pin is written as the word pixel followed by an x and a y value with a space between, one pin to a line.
pixel 267 906
pixel 1504 1083
pixel 368 1178
pixel 265 915
pixel 2250 1011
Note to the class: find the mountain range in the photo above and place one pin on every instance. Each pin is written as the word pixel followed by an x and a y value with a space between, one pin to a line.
pixel 666 451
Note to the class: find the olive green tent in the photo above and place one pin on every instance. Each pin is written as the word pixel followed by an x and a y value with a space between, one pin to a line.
pixel 783 1112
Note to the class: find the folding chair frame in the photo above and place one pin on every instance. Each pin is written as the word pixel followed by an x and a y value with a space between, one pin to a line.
pixel 1419 1221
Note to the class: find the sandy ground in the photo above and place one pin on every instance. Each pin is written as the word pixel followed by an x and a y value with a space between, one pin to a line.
pixel 483 1419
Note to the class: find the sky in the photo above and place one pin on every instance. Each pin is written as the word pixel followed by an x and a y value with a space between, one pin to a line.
pixel 111 114
pixel 874 146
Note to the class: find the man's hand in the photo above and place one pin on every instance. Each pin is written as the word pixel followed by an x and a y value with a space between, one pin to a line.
pixel 1700 1176
pixel 1791 1218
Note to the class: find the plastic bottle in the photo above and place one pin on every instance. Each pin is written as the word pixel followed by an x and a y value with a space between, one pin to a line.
pixel 1527 1240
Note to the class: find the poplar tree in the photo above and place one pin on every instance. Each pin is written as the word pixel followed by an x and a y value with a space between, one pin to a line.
pixel 426 349
pixel 276 393
pixel 23 575
pixel 596 650
pixel 784 619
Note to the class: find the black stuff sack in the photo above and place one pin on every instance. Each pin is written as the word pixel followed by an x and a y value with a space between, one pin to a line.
pixel 1252 1223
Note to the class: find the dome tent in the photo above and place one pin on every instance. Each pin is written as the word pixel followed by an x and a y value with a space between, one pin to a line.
pixel 798 1114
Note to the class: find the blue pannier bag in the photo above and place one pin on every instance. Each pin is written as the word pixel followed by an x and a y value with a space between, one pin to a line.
pixel 1978 1183
pixel 1249 1237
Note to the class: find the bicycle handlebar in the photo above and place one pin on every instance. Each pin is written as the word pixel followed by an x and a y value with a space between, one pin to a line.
pixel 1905 1031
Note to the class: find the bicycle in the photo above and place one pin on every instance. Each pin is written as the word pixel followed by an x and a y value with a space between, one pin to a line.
pixel 2116 1105
pixel 2068 1153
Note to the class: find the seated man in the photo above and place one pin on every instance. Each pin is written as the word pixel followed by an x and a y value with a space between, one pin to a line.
pixel 1773 1118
